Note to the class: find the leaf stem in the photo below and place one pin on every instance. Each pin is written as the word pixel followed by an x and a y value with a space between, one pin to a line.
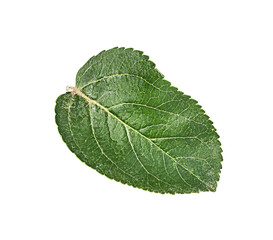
pixel 75 90
pixel 90 101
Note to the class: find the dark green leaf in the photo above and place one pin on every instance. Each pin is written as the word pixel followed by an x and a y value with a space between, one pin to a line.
pixel 124 120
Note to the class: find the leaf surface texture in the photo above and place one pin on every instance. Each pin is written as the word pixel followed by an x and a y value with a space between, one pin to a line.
pixel 128 123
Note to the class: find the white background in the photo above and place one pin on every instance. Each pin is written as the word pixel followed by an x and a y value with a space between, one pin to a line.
pixel 219 52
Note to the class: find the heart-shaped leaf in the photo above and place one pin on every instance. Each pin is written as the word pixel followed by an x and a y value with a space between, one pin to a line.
pixel 125 121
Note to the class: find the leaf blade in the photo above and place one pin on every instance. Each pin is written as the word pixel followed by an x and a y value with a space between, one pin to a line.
pixel 132 114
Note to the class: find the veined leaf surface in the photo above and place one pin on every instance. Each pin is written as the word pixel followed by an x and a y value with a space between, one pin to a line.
pixel 128 123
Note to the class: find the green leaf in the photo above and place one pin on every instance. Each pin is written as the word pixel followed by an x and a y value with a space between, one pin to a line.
pixel 128 123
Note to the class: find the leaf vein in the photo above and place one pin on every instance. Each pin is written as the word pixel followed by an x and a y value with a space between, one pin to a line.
pixel 100 147
pixel 142 165
pixel 120 75
pixel 151 107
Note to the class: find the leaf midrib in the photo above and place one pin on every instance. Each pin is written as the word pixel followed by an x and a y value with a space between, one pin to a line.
pixel 76 91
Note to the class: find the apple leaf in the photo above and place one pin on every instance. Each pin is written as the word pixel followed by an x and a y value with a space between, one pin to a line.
pixel 128 123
